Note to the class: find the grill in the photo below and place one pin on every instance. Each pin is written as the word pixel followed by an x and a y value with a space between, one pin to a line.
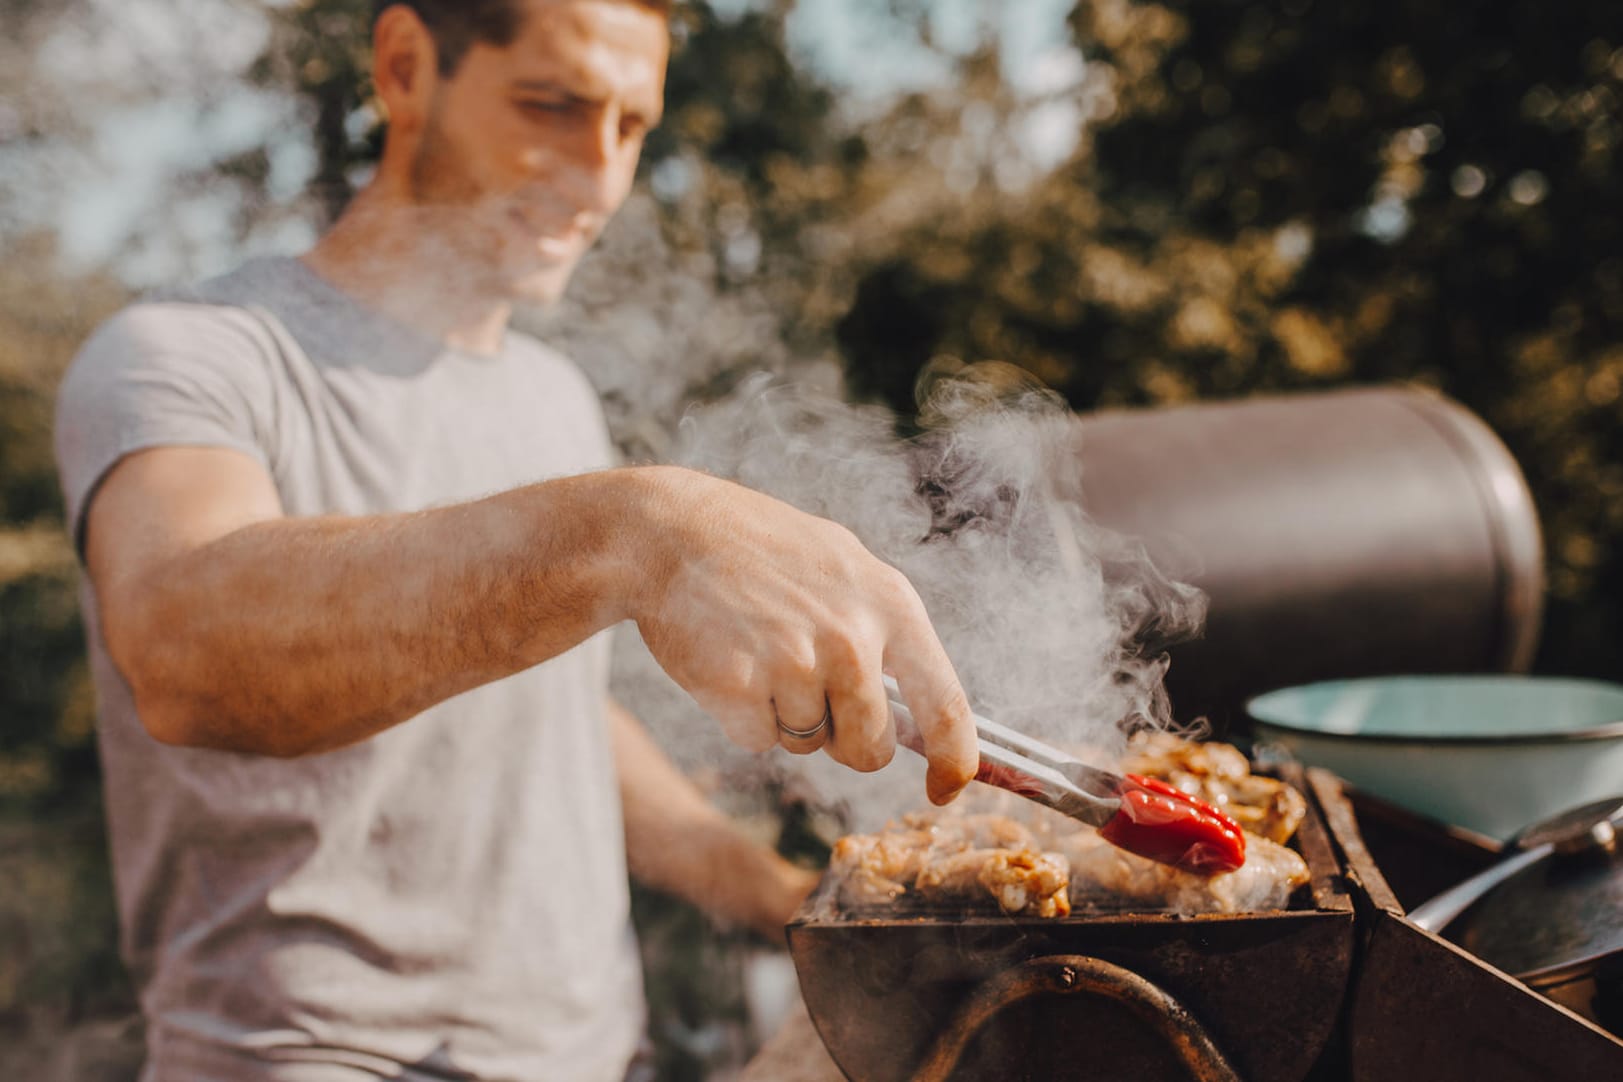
pixel 902 994
pixel 1423 1008
pixel 1337 987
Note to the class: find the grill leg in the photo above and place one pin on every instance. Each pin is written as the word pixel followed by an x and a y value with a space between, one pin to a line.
pixel 1076 974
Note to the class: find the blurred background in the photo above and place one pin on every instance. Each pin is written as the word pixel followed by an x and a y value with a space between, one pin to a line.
pixel 1140 204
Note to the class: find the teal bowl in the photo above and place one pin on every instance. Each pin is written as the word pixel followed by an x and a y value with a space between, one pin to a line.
pixel 1492 754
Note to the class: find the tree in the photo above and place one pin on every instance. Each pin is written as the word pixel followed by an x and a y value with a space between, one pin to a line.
pixel 1301 196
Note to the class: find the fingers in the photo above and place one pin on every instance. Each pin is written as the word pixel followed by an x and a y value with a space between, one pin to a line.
pixel 940 708
pixel 801 715
pixel 792 619
pixel 846 679
pixel 806 741
pixel 864 737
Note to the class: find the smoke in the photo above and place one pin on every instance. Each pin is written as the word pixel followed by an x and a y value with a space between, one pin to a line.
pixel 1043 612
pixel 648 324
pixel 1054 623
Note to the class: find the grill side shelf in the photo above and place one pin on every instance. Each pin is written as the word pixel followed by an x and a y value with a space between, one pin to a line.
pixel 1369 888
pixel 1313 839
pixel 1423 1008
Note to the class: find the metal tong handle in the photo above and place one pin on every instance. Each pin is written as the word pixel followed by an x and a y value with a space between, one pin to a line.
pixel 1014 761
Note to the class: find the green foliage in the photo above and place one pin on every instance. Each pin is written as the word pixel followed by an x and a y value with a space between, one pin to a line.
pixel 57 945
pixel 45 742
pixel 320 52
pixel 46 755
pixel 1309 195
pixel 735 101
pixel 697 1015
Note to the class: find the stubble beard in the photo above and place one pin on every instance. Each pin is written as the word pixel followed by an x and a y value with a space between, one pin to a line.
pixel 465 231
pixel 451 215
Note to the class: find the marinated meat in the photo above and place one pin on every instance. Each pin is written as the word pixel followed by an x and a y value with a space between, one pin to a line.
pixel 1101 874
pixel 1022 882
pixel 1041 863
pixel 1028 882
pixel 873 869
pixel 952 859
pixel 1220 775
pixel 987 830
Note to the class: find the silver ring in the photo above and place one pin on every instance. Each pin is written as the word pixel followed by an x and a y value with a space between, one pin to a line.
pixel 807 734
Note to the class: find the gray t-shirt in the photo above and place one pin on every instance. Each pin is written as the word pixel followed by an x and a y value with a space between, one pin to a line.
pixel 447 899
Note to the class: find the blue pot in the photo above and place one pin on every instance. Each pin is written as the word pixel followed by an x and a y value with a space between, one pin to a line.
pixel 1488 753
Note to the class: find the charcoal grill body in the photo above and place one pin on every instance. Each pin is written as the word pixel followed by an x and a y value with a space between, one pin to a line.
pixel 1265 989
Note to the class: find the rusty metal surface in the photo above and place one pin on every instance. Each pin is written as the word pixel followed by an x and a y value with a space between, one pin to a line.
pixel 1422 1008
pixel 1369 888
pixel 1074 975
pixel 1317 846
pixel 1267 987
pixel 1418 857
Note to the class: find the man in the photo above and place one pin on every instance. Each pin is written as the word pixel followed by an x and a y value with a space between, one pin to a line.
pixel 352 547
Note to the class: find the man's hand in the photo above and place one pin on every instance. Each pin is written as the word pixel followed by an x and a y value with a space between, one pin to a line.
pixel 242 629
pixel 769 617
pixel 677 841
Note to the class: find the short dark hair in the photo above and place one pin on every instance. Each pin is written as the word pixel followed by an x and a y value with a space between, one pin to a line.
pixel 459 24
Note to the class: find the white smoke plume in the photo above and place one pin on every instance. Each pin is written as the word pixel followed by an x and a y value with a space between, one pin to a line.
pixel 1029 597
pixel 1053 622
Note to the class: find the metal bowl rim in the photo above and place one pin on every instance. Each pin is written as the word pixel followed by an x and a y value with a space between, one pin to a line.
pixel 1610 730
pixel 1600 730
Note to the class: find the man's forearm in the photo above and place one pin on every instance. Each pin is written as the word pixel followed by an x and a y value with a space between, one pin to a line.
pixel 297 635
pixel 237 627
pixel 677 841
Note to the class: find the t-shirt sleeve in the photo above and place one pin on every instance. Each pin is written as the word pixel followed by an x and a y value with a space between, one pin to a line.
pixel 159 375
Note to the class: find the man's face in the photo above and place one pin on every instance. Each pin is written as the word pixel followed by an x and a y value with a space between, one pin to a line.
pixel 531 148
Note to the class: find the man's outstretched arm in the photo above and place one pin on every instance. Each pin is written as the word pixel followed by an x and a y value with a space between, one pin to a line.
pixel 677 841
pixel 238 627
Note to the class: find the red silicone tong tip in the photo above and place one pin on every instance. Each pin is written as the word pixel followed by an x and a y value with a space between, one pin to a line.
pixel 1164 823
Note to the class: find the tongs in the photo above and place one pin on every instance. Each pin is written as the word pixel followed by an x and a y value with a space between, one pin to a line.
pixel 1142 815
